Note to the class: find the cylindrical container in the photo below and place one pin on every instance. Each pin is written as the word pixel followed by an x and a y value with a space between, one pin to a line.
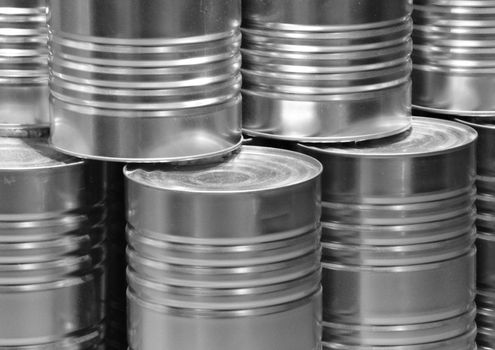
pixel 398 239
pixel 145 82
pixel 326 70
pixel 454 57
pixel 485 243
pixel 23 64
pixel 116 325
pixel 51 248
pixel 226 255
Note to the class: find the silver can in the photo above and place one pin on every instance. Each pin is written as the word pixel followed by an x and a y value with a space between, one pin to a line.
pixel 230 248
pixel 154 82
pixel 23 64
pixel 454 57
pixel 326 70
pixel 398 239
pixel 485 243
pixel 51 248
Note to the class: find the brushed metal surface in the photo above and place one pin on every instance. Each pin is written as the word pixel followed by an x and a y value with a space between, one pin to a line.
pixel 153 83
pixel 326 70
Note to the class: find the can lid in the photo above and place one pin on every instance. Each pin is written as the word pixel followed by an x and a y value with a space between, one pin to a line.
pixel 427 136
pixel 252 169
pixel 25 154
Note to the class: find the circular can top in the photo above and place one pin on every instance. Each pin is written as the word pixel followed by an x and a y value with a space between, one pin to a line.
pixel 252 169
pixel 31 154
pixel 427 136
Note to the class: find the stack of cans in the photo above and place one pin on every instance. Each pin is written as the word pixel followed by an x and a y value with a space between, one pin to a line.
pixel 51 244
pixel 398 240
pixel 454 77
pixel 398 200
pixel 225 255
pixel 52 229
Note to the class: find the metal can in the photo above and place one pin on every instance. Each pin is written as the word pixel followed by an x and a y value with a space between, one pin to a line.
pixel 485 243
pixel 326 70
pixel 51 247
pixel 398 239
pixel 234 251
pixel 154 82
pixel 454 57
pixel 23 64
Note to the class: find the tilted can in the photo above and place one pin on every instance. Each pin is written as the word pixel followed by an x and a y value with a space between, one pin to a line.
pixel 145 82
pixel 454 57
pixel 398 239
pixel 326 70
pixel 51 248
pixel 23 64
pixel 229 248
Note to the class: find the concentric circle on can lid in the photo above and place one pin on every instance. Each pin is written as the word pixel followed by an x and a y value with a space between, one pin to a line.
pixel 427 136
pixel 25 154
pixel 251 169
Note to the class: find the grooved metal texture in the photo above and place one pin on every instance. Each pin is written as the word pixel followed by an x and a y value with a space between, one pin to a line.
pixel 398 236
pixel 153 81
pixel 326 70
pixel 233 261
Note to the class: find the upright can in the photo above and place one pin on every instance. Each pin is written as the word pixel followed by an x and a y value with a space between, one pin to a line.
pixel 225 255
pixel 398 240
pixel 485 241
pixel 51 248
pixel 454 57
pixel 145 81
pixel 23 64
pixel 326 70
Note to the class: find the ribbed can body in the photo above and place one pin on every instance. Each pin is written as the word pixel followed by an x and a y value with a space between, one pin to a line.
pixel 51 248
pixel 23 64
pixel 158 81
pixel 485 223
pixel 398 253
pixel 326 70
pixel 240 268
pixel 454 57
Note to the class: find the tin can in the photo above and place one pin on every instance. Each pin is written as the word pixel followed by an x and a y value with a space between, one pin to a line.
pixel 243 263
pixel 485 243
pixel 398 239
pixel 51 244
pixel 145 83
pixel 454 57
pixel 326 70
pixel 23 64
